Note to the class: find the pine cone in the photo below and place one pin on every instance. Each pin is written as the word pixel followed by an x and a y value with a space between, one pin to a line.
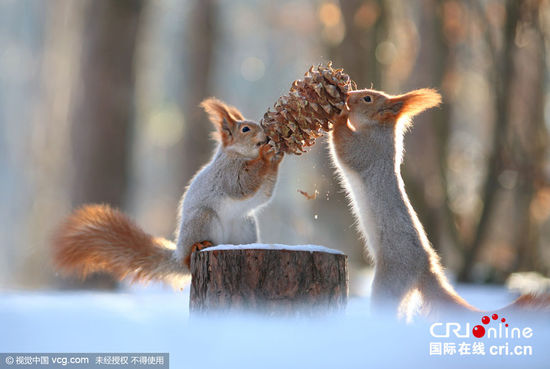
pixel 306 112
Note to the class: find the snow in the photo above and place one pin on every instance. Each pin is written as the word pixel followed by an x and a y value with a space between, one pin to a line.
pixel 154 319
pixel 262 246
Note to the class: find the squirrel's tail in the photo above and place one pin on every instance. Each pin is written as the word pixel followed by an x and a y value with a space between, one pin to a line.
pixel 531 302
pixel 99 238
pixel 440 296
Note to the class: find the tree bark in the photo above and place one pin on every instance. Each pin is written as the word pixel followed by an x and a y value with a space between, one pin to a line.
pixel 278 282
pixel 196 147
pixel 356 54
pixel 505 72
pixel 103 111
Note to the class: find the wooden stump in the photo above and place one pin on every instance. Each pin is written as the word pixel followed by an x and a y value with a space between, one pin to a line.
pixel 272 279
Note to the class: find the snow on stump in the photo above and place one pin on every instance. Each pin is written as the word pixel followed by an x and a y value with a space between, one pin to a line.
pixel 272 279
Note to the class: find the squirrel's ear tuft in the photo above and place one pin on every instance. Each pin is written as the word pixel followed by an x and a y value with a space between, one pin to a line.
pixel 223 116
pixel 412 103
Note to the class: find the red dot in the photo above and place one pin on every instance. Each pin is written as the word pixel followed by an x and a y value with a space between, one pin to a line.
pixel 507 324
pixel 485 320
pixel 478 331
pixel 503 320
pixel 494 316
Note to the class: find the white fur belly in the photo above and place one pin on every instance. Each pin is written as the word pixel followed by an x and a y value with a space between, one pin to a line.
pixel 236 225
pixel 358 193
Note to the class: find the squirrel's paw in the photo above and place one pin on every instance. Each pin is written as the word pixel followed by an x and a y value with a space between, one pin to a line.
pixel 277 158
pixel 269 154
pixel 196 247
pixel 266 152
pixel 342 118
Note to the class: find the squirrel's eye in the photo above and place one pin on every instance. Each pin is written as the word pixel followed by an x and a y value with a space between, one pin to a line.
pixel 245 129
pixel 367 98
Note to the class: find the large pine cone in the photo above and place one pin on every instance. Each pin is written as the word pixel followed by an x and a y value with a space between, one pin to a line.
pixel 306 112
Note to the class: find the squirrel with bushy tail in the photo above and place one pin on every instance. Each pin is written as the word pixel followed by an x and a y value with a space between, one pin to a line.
pixel 217 208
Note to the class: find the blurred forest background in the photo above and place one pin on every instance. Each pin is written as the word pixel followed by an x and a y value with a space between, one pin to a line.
pixel 99 103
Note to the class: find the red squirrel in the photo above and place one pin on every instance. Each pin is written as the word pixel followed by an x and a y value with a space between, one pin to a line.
pixel 217 208
pixel 367 149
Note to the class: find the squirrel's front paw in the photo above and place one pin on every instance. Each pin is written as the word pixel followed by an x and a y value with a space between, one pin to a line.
pixel 342 118
pixel 270 155
pixel 196 247
pixel 277 158
pixel 267 152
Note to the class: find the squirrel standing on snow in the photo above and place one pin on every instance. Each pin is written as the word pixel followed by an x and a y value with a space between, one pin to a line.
pixel 367 149
pixel 216 208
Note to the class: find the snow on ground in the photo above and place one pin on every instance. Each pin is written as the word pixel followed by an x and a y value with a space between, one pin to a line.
pixel 274 246
pixel 157 320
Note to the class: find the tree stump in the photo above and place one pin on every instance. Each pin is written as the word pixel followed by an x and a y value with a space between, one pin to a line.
pixel 272 279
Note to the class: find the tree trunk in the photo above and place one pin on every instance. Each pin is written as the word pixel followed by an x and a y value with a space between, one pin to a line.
pixel 356 54
pixel 200 43
pixel 504 74
pixel 104 109
pixel 271 281
pixel 103 113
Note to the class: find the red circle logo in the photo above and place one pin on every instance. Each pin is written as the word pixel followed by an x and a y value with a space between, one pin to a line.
pixel 478 331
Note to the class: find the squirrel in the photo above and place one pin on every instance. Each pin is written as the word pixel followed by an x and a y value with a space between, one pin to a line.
pixel 217 208
pixel 366 146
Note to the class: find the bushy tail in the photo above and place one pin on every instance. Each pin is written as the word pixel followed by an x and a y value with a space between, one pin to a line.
pixel 530 302
pixel 440 296
pixel 99 238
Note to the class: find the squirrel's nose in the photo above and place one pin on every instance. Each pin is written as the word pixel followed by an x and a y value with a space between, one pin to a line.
pixel 351 98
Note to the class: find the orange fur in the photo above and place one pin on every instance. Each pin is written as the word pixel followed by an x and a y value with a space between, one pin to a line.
pixel 223 117
pixel 416 101
pixel 389 109
pixel 259 170
pixel 531 302
pixel 98 238
pixel 267 162
pixel 408 105
pixel 196 247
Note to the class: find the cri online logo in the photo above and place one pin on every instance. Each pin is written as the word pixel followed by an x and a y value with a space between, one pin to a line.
pixel 479 330
pixel 498 330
